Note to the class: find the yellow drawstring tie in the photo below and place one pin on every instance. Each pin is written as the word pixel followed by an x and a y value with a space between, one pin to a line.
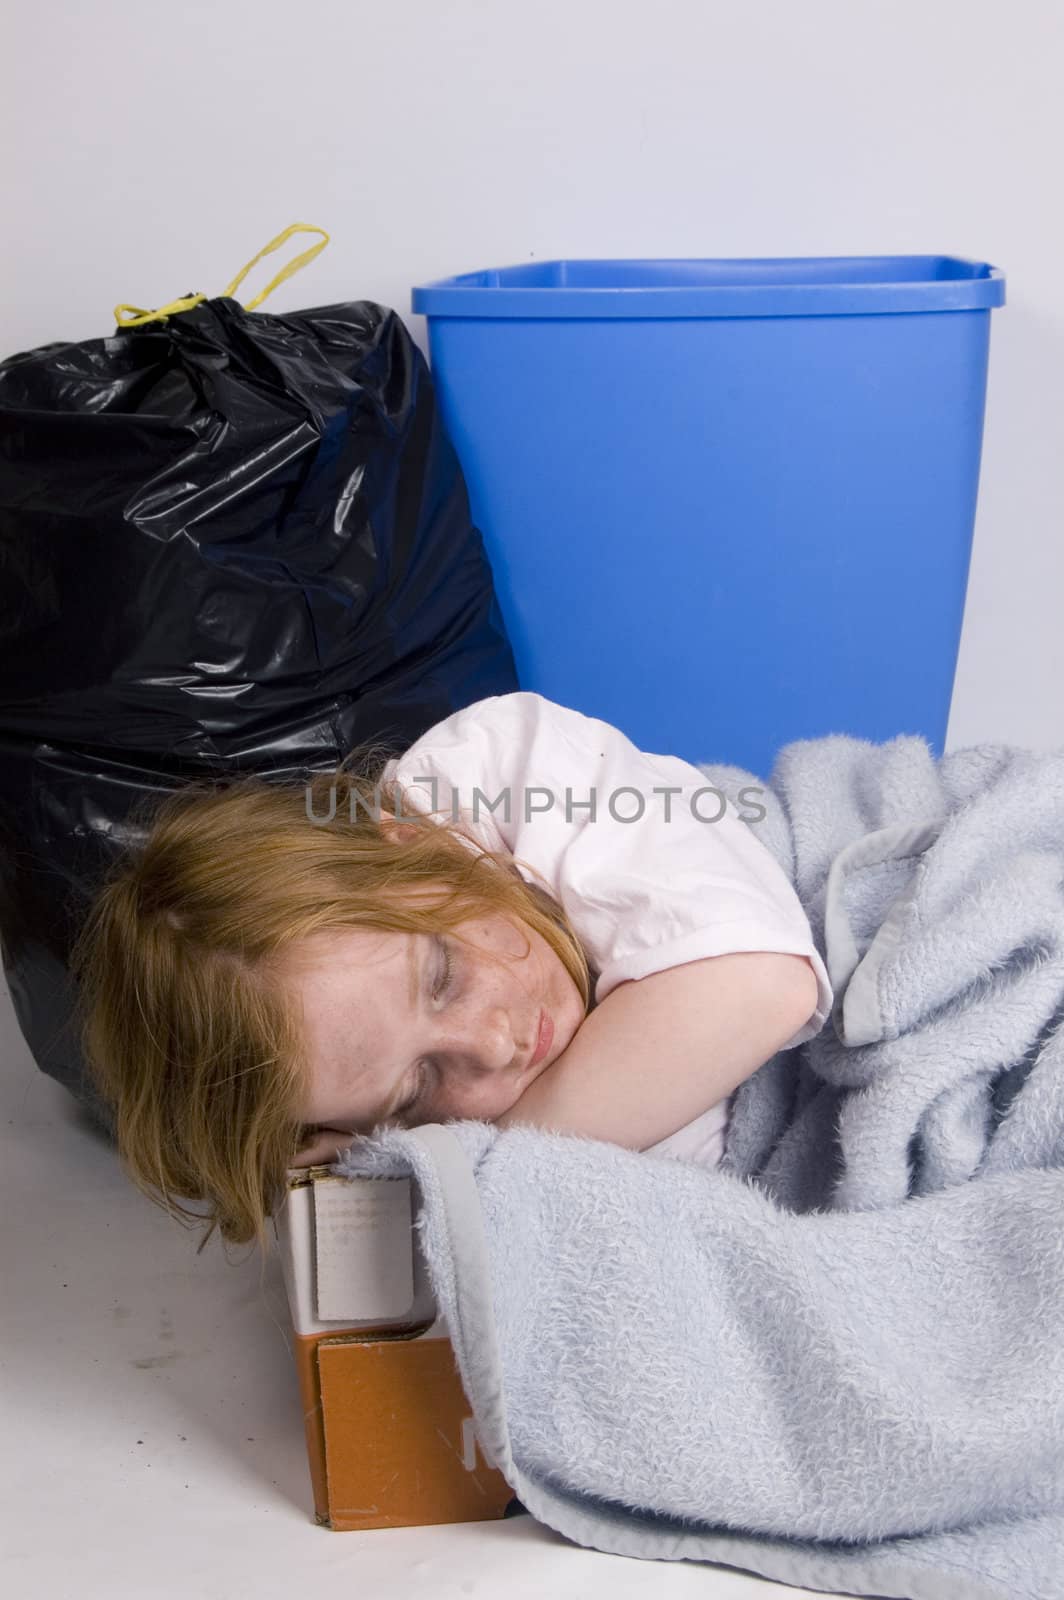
pixel 139 315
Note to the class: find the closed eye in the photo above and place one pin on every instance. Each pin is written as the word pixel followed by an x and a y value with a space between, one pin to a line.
pixel 445 976
pixel 442 984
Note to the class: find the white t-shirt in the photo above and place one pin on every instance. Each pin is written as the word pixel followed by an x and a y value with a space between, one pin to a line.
pixel 667 886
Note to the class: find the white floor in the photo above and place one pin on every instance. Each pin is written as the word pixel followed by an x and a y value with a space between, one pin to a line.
pixel 152 1435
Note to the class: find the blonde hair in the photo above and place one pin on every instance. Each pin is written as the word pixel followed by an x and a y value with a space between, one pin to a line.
pixel 188 1033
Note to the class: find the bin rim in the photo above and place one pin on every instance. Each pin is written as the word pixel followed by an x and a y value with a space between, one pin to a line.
pixel 776 286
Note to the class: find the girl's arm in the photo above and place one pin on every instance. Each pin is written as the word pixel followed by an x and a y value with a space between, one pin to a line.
pixel 658 1051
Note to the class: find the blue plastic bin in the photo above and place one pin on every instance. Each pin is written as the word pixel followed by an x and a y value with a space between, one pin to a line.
pixel 728 503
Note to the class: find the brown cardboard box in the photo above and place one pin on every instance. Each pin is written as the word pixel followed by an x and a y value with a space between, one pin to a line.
pixel 390 1436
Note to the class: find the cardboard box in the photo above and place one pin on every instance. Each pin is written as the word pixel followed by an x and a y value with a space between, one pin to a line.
pixel 390 1435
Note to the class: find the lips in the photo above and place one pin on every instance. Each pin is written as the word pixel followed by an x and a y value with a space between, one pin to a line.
pixel 543 1039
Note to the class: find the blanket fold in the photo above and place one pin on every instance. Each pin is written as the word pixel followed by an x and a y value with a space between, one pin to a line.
pixel 838 1360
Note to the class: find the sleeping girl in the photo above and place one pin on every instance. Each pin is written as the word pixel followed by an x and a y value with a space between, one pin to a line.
pixel 523 919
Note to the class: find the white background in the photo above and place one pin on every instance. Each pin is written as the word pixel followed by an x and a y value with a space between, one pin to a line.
pixel 152 149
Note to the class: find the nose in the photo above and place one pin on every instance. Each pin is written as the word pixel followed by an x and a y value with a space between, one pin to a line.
pixel 497 1041
pixel 485 1042
pixel 480 1064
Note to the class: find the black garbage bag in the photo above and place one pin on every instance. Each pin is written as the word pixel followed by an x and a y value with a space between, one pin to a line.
pixel 230 542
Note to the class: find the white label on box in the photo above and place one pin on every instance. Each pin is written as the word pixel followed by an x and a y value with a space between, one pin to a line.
pixel 364 1247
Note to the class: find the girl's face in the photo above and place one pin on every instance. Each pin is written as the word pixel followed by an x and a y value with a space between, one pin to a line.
pixel 411 1027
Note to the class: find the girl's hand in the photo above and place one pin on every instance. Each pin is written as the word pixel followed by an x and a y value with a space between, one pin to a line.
pixel 324 1148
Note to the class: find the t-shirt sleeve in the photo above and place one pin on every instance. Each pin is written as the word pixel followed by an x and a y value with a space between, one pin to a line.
pixel 653 866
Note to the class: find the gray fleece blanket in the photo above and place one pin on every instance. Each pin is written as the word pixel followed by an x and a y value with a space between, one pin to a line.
pixel 838 1360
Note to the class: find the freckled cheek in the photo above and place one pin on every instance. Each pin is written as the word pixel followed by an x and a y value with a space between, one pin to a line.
pixel 569 1012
